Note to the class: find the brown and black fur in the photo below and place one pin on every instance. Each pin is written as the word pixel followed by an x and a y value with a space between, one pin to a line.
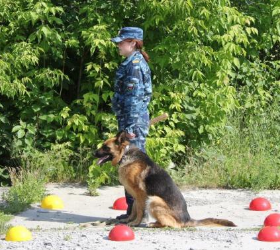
pixel 151 187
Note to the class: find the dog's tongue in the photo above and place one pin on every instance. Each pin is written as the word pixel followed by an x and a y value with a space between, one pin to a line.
pixel 102 159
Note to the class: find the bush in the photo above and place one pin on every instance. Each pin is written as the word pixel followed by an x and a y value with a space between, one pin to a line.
pixel 247 156
pixel 208 59
pixel 101 175
pixel 27 187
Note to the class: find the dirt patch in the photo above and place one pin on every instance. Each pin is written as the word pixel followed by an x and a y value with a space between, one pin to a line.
pixel 62 230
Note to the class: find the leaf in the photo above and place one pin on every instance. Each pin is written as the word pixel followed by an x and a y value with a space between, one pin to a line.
pixel 31 129
pixel 236 62
pixel 200 129
pixel 3 119
pixel 43 117
pixel 36 108
pixel 59 134
pixel 28 141
pixel 20 133
pixel 46 31
pixel 276 11
pixel 16 128
pixel 34 17
pixel 105 96
pixel 50 118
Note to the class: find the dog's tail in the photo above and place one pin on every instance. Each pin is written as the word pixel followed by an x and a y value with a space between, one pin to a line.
pixel 209 222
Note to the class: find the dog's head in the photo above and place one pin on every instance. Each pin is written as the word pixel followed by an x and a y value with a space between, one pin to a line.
pixel 112 149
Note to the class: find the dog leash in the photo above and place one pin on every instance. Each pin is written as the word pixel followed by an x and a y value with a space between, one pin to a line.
pixel 158 119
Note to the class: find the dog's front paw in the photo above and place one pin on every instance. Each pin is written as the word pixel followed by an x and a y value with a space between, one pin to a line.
pixel 134 223
pixel 150 225
pixel 124 221
pixel 154 224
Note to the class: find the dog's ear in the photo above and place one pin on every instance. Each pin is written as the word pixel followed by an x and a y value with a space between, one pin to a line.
pixel 122 137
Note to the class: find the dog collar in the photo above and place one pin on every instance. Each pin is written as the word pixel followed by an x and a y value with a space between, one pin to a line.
pixel 125 151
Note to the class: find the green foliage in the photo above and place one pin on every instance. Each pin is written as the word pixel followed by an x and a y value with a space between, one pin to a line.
pixel 160 146
pixel 194 57
pixel 57 64
pixel 4 176
pixel 101 175
pixel 54 164
pixel 28 187
pixel 4 218
pixel 247 156
pixel 58 164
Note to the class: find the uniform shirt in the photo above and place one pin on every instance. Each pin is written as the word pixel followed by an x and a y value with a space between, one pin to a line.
pixel 132 90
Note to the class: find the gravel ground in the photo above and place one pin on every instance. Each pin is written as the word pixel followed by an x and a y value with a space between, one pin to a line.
pixel 62 230
pixel 97 238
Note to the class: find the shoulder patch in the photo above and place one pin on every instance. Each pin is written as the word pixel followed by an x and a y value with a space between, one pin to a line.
pixel 135 61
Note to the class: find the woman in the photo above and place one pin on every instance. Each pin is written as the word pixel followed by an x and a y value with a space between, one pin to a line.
pixel 132 91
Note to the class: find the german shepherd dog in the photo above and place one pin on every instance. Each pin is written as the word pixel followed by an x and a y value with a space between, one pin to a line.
pixel 151 187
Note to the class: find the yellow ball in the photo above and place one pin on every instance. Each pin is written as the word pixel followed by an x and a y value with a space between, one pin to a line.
pixel 18 233
pixel 52 202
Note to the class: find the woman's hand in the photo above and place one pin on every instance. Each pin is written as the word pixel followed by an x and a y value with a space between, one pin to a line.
pixel 130 135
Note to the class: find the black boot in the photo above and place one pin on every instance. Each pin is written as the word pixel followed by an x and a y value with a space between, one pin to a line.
pixel 129 201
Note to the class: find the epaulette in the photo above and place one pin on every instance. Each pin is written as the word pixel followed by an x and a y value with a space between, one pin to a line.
pixel 136 60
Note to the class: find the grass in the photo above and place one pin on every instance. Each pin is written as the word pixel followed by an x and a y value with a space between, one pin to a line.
pixel 67 237
pixel 4 219
pixel 59 164
pixel 27 187
pixel 247 156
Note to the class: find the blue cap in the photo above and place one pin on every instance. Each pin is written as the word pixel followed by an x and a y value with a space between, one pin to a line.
pixel 128 32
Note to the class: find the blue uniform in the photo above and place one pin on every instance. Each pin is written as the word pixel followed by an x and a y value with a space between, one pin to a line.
pixel 132 94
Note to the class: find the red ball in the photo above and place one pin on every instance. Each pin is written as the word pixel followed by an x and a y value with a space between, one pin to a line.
pixel 272 220
pixel 260 204
pixel 121 233
pixel 120 204
pixel 269 234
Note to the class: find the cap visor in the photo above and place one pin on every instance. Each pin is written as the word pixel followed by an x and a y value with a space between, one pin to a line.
pixel 116 40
